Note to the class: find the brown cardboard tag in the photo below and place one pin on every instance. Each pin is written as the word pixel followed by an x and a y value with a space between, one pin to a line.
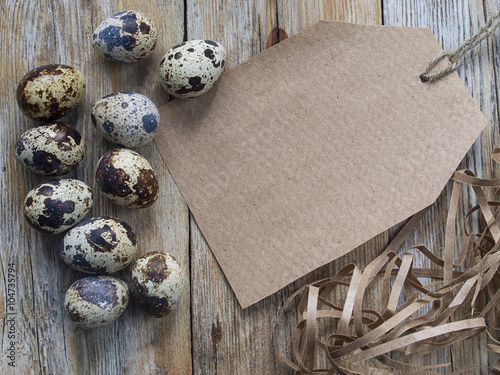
pixel 313 147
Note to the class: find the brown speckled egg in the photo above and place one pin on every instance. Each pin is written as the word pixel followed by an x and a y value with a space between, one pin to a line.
pixel 127 178
pixel 157 283
pixel 57 205
pixel 50 92
pixel 127 118
pixel 191 68
pixel 96 301
pixel 127 37
pixel 50 149
pixel 99 245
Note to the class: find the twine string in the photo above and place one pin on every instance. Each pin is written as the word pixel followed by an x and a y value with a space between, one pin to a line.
pixel 455 56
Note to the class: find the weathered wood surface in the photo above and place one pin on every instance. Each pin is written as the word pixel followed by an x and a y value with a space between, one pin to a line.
pixel 41 32
pixel 208 333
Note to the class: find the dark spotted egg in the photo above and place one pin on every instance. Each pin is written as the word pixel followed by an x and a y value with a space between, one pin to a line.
pixel 127 178
pixel 127 37
pixel 50 92
pixel 126 118
pixel 191 68
pixel 57 205
pixel 96 301
pixel 99 245
pixel 51 149
pixel 157 283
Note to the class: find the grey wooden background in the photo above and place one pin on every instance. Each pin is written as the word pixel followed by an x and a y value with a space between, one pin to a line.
pixel 208 333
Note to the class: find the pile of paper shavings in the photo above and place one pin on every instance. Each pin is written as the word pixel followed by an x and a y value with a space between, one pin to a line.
pixel 420 307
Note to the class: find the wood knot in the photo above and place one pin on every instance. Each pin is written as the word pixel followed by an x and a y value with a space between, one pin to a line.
pixel 216 332
pixel 275 36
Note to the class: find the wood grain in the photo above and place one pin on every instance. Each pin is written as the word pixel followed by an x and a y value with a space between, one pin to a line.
pixel 59 32
pixel 208 333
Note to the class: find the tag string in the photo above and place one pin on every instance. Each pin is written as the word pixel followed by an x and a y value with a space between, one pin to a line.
pixel 455 56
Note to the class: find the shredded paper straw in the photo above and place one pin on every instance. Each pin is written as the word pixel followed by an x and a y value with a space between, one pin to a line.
pixel 419 307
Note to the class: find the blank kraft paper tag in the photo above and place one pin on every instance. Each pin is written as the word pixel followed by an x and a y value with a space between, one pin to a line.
pixel 313 147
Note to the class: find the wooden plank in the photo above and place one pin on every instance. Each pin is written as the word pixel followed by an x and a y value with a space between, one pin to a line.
pixel 296 16
pixel 227 339
pixel 40 32
pixel 453 22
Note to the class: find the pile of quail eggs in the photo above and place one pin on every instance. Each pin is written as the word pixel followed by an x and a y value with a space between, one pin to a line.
pixel 104 245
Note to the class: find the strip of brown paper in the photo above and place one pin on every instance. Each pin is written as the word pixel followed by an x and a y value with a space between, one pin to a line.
pixel 360 341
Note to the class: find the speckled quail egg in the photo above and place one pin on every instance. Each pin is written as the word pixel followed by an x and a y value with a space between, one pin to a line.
pixel 191 68
pixel 127 37
pixel 157 283
pixel 57 205
pixel 50 149
pixel 96 301
pixel 99 245
pixel 50 92
pixel 127 118
pixel 127 178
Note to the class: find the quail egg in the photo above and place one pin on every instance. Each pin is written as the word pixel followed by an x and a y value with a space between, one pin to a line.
pixel 127 178
pixel 126 37
pixel 99 245
pixel 50 149
pixel 190 68
pixel 50 92
pixel 96 301
pixel 57 205
pixel 127 118
pixel 157 283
